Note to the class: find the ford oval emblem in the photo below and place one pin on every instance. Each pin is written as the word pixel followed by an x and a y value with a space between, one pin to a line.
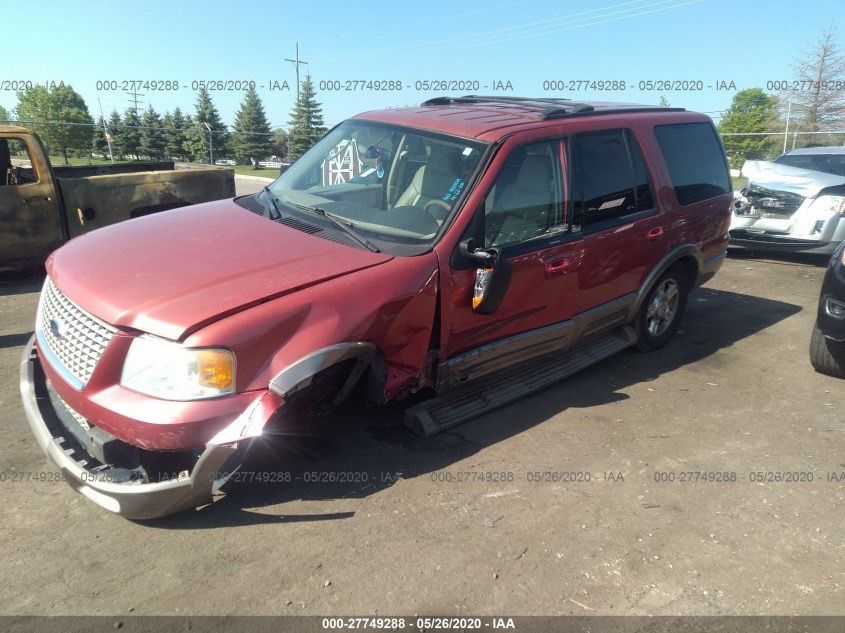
pixel 57 327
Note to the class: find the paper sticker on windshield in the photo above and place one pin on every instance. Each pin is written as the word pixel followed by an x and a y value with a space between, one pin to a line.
pixel 342 164
pixel 454 190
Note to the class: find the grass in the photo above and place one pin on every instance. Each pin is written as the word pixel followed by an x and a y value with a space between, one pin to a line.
pixel 739 183
pixel 247 170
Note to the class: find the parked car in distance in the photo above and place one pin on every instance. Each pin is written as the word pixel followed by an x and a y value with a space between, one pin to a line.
pixel 827 345
pixel 475 249
pixel 795 203
pixel 44 205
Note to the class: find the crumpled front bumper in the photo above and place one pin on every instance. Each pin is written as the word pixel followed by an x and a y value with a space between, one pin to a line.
pixel 142 500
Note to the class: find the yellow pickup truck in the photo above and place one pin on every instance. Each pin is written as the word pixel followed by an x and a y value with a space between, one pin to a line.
pixel 42 205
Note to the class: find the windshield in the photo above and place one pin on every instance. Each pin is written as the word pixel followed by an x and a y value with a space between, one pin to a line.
pixel 391 185
pixel 827 163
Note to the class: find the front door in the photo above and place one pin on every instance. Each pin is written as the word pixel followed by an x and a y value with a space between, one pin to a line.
pixel 30 226
pixel 526 217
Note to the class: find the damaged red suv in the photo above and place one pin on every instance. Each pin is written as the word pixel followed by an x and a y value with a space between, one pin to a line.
pixel 476 248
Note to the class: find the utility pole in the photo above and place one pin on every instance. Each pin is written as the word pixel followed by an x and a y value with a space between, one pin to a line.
pixel 210 144
pixel 134 99
pixel 786 131
pixel 296 62
pixel 105 129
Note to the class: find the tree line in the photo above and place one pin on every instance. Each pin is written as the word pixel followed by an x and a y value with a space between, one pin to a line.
pixel 61 118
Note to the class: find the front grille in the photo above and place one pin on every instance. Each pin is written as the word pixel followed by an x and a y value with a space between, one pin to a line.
pixel 772 203
pixel 75 339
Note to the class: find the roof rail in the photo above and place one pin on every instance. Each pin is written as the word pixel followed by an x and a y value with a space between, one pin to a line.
pixel 549 108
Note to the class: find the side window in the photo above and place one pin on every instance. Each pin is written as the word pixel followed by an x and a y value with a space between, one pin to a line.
pixel 16 168
pixel 609 177
pixel 695 159
pixel 526 202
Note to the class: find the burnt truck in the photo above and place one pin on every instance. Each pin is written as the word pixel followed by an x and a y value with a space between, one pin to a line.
pixel 44 205
pixel 795 203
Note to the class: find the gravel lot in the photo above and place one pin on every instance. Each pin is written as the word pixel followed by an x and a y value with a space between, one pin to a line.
pixel 459 524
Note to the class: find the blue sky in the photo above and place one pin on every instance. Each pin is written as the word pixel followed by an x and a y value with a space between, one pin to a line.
pixel 525 42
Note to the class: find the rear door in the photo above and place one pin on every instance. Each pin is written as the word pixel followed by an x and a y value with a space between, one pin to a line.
pixel 702 200
pixel 615 213
pixel 525 215
pixel 30 225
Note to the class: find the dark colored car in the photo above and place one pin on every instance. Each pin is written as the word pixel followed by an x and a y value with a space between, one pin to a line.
pixel 827 345
pixel 473 248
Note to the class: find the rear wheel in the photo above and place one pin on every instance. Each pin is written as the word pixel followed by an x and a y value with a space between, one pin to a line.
pixel 828 357
pixel 662 311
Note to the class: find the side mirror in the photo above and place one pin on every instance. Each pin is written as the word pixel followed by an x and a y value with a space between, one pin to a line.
pixel 492 277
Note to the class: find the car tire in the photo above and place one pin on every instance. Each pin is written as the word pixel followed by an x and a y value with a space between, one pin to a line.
pixel 827 356
pixel 661 313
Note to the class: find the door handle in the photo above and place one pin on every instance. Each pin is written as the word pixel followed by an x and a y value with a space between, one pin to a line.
pixel 559 266
pixel 34 199
pixel 655 234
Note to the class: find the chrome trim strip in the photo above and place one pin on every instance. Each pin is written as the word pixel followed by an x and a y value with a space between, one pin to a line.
pixel 55 363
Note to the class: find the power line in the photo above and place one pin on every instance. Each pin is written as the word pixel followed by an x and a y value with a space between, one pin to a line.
pixel 571 21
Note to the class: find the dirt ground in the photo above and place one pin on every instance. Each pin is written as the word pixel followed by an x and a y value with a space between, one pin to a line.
pixel 560 503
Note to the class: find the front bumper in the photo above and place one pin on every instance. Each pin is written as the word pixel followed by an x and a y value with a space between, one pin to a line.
pixel 140 500
pixel 767 242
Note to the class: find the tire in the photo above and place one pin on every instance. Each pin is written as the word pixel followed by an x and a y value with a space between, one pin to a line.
pixel 661 313
pixel 826 356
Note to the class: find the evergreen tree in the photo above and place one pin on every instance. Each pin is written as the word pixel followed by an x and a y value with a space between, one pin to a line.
pixel 751 110
pixel 197 135
pixel 100 145
pixel 115 127
pixel 60 117
pixel 306 123
pixel 4 114
pixel 251 137
pixel 129 136
pixel 174 134
pixel 152 134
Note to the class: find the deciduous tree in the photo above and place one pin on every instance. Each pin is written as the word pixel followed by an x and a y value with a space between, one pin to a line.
pixel 752 111
pixel 60 117
pixel 818 101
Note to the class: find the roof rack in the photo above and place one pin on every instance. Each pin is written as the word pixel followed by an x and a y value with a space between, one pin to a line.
pixel 549 108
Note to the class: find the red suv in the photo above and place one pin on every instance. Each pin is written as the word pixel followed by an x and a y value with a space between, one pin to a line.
pixel 477 248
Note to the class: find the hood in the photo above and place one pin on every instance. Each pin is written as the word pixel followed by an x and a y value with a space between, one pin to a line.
pixel 805 182
pixel 171 273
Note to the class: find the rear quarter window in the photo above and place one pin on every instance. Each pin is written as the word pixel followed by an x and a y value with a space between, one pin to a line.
pixel 695 159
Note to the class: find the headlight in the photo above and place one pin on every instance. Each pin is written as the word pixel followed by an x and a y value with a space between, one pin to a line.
pixel 168 370
pixel 829 205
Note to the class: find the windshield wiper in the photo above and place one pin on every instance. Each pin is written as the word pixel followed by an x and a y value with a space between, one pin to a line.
pixel 342 223
pixel 276 212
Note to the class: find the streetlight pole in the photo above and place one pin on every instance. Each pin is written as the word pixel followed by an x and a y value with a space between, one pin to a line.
pixel 210 144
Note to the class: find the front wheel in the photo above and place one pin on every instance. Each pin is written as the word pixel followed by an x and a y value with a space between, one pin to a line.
pixel 827 357
pixel 662 311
